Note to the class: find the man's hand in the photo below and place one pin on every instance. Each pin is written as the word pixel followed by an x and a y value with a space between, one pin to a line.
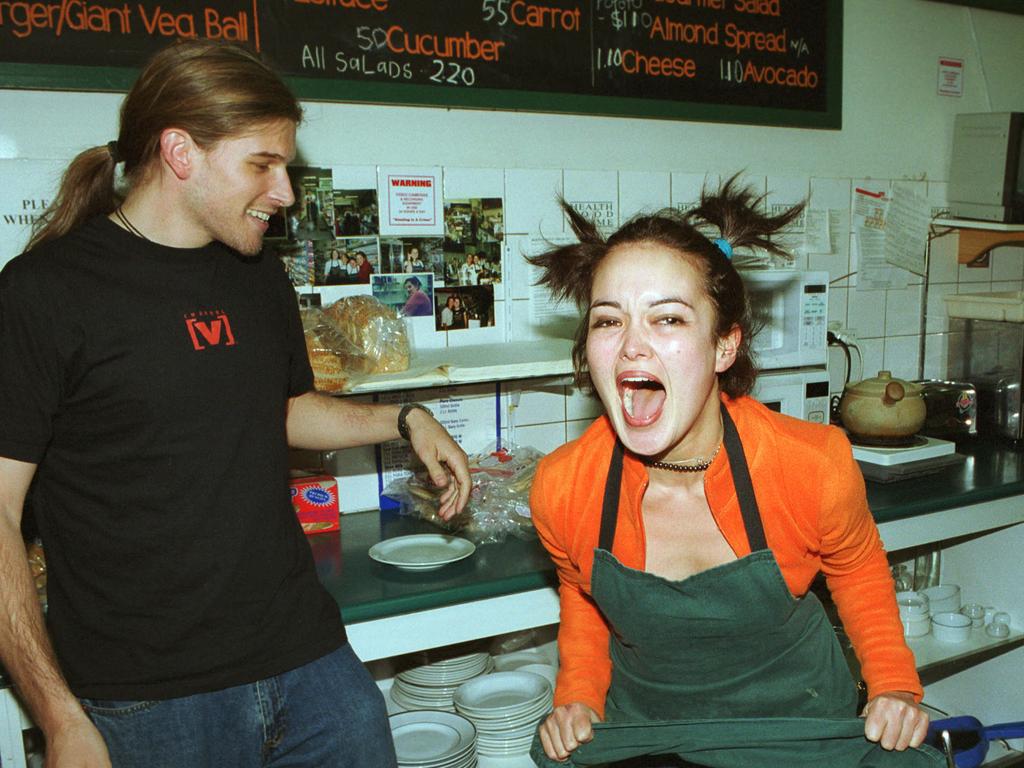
pixel 566 728
pixel 895 721
pixel 77 745
pixel 445 461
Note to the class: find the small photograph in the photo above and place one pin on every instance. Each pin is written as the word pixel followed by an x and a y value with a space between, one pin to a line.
pixel 346 260
pixel 472 264
pixel 474 221
pixel 355 212
pixel 297 256
pixel 463 307
pixel 311 217
pixel 413 254
pixel 411 295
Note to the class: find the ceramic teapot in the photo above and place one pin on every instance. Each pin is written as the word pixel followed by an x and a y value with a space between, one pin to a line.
pixel 882 408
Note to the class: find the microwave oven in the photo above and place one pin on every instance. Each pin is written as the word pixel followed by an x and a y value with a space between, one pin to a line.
pixel 986 173
pixel 790 309
pixel 803 394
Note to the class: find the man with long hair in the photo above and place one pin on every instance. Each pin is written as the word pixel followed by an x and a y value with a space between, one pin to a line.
pixel 153 373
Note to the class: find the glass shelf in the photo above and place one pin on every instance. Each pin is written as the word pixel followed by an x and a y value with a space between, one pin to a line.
pixel 937 660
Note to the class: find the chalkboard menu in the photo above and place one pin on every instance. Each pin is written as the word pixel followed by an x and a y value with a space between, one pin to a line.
pixel 773 62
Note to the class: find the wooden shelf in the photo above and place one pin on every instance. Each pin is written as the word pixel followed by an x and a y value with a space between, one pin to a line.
pixel 977 237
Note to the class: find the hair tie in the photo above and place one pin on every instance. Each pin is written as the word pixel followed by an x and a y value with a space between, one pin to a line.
pixel 724 247
pixel 114 154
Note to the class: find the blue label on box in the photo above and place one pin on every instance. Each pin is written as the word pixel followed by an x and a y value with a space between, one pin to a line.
pixel 317 496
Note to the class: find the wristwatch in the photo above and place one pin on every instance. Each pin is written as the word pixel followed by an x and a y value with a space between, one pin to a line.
pixel 403 427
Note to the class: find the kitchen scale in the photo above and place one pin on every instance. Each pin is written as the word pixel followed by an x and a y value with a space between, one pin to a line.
pixel 922 456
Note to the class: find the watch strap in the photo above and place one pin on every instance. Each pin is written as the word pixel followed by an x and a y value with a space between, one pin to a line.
pixel 403 425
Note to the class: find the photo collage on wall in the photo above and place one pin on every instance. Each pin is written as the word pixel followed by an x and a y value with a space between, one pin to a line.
pixel 473 235
pixel 332 237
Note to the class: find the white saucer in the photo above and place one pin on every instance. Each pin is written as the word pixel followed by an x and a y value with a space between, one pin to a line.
pixel 421 551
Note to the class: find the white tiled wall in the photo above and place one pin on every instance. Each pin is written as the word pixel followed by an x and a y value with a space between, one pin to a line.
pixel 903 329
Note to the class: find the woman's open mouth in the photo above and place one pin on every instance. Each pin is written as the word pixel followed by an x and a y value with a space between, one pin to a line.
pixel 642 397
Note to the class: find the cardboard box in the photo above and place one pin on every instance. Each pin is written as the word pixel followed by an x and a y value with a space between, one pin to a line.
pixel 315 500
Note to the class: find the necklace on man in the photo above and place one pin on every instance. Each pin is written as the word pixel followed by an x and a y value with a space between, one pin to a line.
pixel 692 465
pixel 127 224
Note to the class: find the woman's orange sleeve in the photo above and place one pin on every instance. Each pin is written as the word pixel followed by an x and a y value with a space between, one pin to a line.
pixel 585 667
pixel 857 573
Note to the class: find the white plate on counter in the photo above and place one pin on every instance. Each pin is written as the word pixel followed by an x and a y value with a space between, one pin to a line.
pixel 421 551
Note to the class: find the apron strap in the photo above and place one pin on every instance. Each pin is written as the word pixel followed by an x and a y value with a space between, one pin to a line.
pixel 610 507
pixel 740 477
pixel 744 487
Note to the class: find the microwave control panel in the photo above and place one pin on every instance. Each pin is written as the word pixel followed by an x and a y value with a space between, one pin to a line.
pixel 814 316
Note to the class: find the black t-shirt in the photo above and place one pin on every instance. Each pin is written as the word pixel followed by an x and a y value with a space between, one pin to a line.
pixel 150 386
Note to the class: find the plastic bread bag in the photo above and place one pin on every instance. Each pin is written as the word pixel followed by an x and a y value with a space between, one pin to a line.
pixel 333 358
pixel 499 502
pixel 37 566
pixel 375 330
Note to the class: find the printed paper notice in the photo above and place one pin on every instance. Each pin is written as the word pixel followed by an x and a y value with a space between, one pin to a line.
pixel 951 77
pixel 873 271
pixel 467 412
pixel 545 307
pixel 412 200
pixel 820 224
pixel 906 230
pixel 26 189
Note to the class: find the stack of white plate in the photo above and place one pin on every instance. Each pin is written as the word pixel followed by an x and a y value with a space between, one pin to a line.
pixel 431 739
pixel 505 707
pixel 527 660
pixel 432 686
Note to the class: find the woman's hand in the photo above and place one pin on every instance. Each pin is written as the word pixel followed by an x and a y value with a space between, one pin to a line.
pixel 566 728
pixel 895 721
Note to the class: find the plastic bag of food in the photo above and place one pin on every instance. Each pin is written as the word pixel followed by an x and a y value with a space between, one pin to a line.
pixel 330 353
pixel 37 566
pixel 375 330
pixel 352 338
pixel 499 502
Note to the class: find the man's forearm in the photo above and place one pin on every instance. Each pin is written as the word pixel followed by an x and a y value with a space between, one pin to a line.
pixel 321 423
pixel 25 647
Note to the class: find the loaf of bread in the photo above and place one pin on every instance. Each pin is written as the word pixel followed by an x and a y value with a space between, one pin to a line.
pixel 328 375
pixel 328 352
pixel 353 337
pixel 374 330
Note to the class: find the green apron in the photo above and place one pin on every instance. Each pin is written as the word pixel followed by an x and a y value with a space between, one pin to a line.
pixel 704 667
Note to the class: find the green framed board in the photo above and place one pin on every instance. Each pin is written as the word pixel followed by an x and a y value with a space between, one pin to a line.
pixel 767 62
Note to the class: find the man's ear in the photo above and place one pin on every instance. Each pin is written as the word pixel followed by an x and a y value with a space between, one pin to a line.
pixel 728 345
pixel 178 151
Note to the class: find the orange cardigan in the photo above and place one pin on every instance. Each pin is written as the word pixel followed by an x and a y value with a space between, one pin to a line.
pixel 816 518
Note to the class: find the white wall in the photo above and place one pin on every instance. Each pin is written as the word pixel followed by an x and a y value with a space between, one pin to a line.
pixel 895 127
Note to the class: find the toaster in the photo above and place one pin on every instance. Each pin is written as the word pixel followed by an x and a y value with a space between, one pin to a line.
pixel 951 409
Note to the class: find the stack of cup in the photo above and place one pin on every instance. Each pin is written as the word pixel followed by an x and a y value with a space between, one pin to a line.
pixel 914 613
pixel 943 598
pixel 999 625
pixel 948 624
pixel 976 613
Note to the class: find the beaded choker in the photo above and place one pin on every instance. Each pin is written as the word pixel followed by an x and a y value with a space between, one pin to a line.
pixel 693 465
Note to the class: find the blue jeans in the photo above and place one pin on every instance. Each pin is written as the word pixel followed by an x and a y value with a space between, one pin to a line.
pixel 326 713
